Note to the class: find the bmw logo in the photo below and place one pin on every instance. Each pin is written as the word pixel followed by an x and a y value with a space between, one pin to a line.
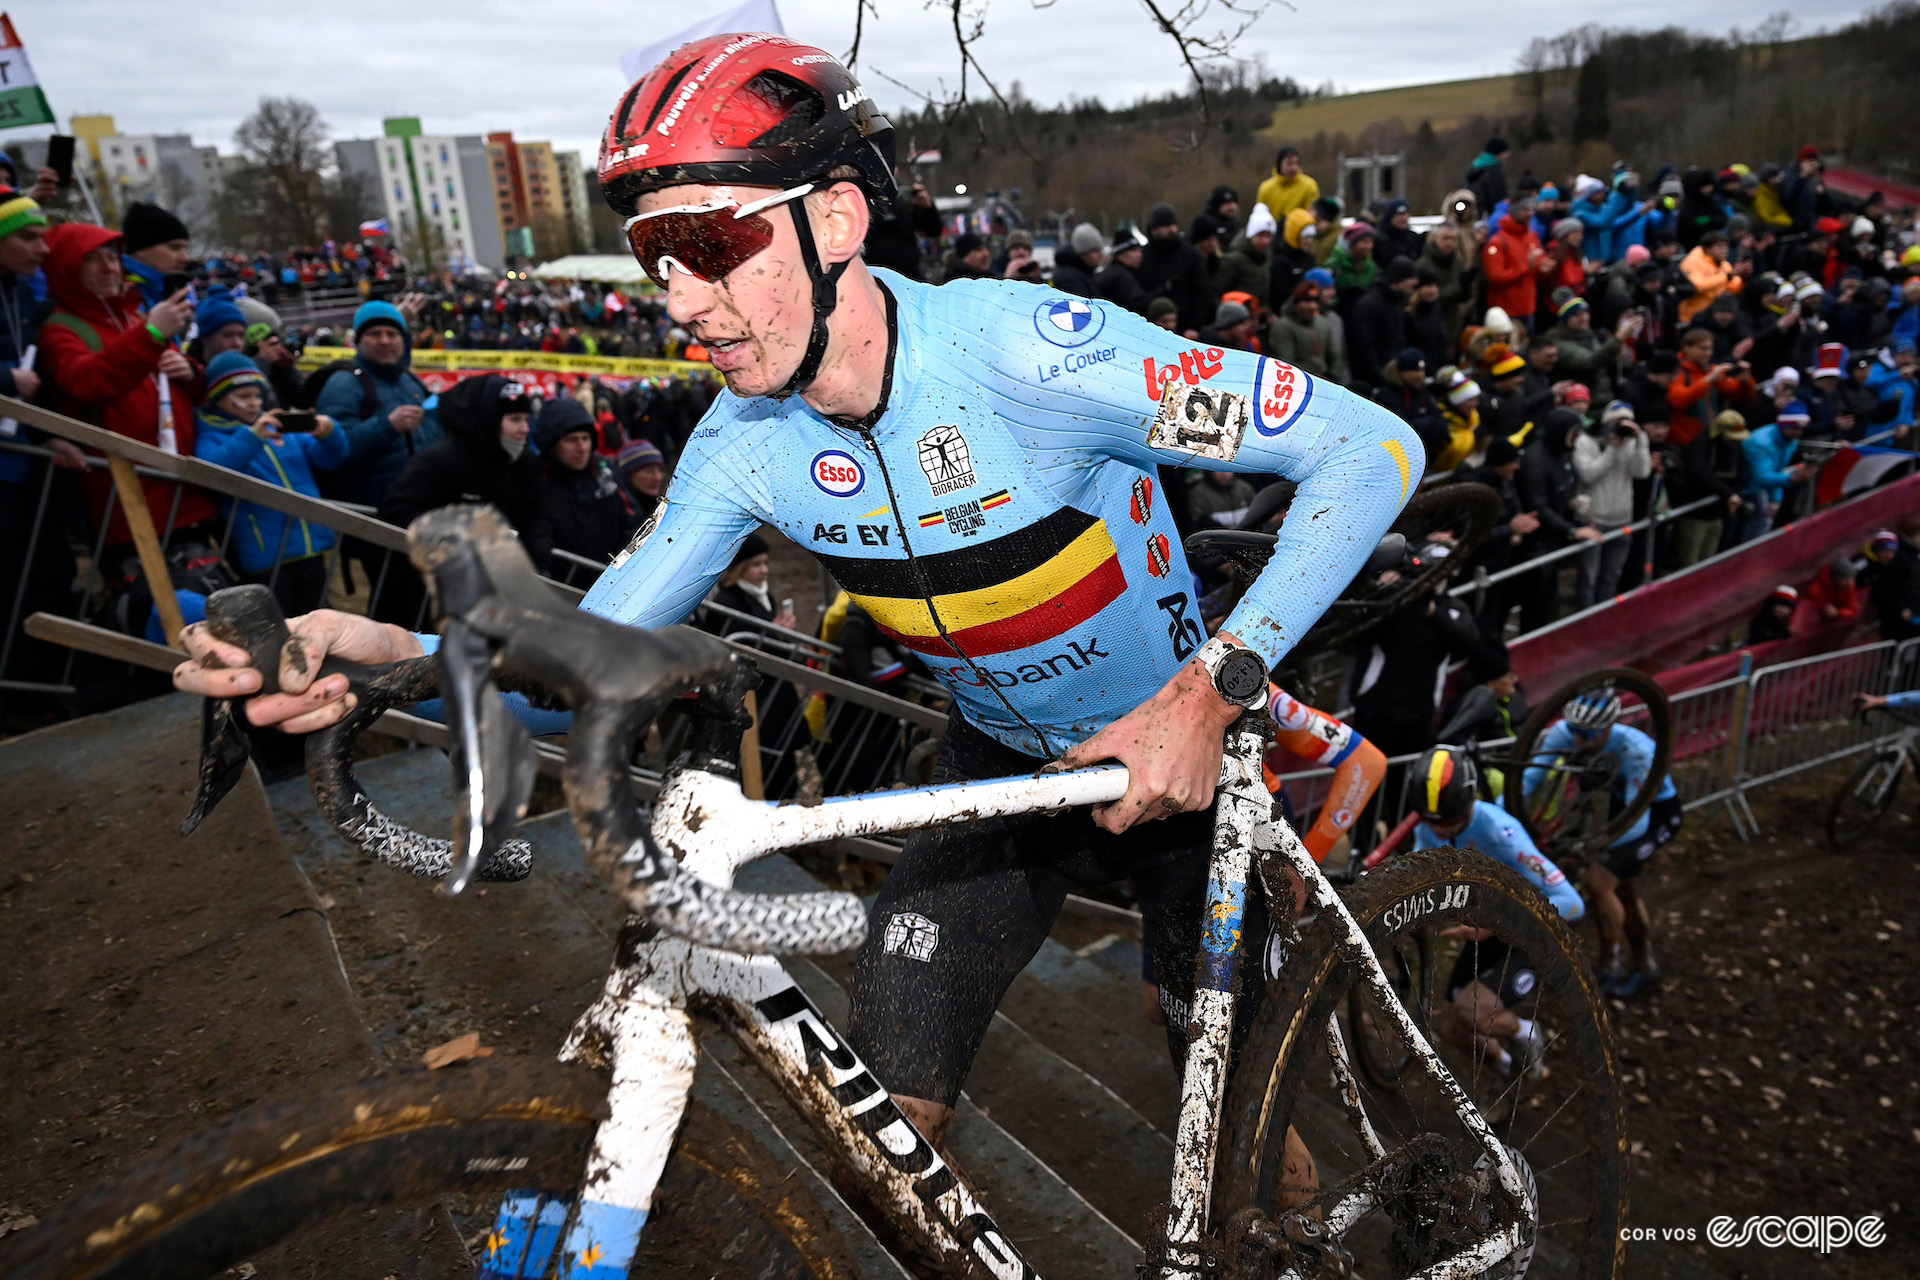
pixel 1068 321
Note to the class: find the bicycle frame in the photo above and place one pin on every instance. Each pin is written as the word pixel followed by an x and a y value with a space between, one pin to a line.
pixel 640 1027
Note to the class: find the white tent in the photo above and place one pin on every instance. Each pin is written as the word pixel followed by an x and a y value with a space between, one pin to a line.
pixel 605 268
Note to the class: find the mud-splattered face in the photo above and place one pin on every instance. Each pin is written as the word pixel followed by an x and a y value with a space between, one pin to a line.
pixel 754 321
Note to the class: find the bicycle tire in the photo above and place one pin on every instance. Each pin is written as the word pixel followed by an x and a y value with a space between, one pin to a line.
pixel 474 1133
pixel 1566 852
pixel 1383 1059
pixel 1468 509
pixel 1852 815
pixel 1285 1048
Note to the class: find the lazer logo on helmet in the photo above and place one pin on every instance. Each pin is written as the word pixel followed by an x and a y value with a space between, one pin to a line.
pixel 857 94
pixel 838 474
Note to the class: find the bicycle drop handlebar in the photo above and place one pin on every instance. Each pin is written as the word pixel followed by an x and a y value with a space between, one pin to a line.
pixel 501 623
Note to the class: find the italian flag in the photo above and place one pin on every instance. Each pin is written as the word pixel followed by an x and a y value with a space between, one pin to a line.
pixel 21 102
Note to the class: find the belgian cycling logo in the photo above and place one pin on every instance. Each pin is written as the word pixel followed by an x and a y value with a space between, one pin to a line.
pixel 912 935
pixel 945 458
pixel 838 474
pixel 1282 393
pixel 1068 322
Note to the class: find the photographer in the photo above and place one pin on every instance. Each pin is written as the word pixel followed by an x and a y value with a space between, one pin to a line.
pixel 1608 458
pixel 1713 464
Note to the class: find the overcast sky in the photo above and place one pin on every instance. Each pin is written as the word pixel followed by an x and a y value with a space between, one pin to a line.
pixel 551 70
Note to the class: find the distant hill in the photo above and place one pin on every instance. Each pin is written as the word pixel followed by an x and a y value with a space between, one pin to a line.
pixel 1445 106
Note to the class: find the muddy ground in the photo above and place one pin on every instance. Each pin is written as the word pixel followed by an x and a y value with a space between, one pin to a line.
pixel 1774 1073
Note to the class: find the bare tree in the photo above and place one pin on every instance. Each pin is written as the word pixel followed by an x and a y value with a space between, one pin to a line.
pixel 286 161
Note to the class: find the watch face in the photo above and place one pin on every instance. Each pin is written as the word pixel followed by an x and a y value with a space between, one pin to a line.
pixel 1241 676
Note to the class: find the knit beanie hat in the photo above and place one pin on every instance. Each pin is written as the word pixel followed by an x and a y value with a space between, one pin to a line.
pixel 1497 321
pixel 1261 219
pixel 636 454
pixel 1506 365
pixel 1616 411
pixel 1464 392
pixel 216 311
pixel 1794 415
pixel 1086 239
pixel 1637 254
pixel 1319 278
pixel 1784 594
pixel 1566 227
pixel 1229 314
pixel 258 332
pixel 1162 215
pixel 1354 234
pixel 1501 451
pixel 1572 306
pixel 18 212
pixel 147 225
pixel 1162 305
pixel 228 372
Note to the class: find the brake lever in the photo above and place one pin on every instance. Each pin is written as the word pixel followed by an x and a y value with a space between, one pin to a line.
pixel 250 618
pixel 493 757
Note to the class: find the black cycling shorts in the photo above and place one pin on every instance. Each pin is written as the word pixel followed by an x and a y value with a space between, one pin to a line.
pixel 1496 966
pixel 1629 859
pixel 966 907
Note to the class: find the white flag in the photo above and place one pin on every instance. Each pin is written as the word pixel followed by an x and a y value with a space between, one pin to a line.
pixel 754 15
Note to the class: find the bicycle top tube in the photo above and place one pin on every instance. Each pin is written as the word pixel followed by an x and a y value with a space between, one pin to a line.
pixel 702 816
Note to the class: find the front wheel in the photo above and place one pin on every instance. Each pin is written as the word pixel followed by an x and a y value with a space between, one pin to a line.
pixel 1865 799
pixel 1554 1103
pixel 406 1176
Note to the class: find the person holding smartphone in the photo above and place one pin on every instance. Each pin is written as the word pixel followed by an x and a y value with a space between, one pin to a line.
pixel 155 252
pixel 237 431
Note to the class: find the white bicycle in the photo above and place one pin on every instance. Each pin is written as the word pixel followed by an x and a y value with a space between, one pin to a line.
pixel 593 1165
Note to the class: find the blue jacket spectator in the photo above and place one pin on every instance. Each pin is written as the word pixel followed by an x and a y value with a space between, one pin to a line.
pixel 236 434
pixel 379 404
pixel 1891 380
pixel 156 246
pixel 1770 452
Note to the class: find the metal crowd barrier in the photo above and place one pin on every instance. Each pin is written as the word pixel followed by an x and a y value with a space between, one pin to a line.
pixel 1729 738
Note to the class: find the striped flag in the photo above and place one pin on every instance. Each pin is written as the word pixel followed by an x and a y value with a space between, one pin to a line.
pixel 21 102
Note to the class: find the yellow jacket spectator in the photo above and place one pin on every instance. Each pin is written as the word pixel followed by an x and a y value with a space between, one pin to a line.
pixel 1288 189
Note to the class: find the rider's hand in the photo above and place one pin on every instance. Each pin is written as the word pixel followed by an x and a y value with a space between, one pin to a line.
pixel 1171 745
pixel 1868 702
pixel 217 670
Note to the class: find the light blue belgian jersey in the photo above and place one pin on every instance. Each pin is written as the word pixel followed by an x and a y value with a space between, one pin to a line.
pixel 1633 752
pixel 1002 516
pixel 1498 834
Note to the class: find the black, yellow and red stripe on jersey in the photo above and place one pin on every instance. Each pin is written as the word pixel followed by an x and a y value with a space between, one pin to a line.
pixel 1015 591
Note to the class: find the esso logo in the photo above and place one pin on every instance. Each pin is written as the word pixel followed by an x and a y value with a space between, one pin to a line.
pixel 838 474
pixel 1281 392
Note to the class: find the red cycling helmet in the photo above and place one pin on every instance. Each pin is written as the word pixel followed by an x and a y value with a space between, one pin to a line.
pixel 755 109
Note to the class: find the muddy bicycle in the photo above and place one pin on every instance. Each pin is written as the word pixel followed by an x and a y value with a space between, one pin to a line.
pixel 555 1168
pixel 1867 796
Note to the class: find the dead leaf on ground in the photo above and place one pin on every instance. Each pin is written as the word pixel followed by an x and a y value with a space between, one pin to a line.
pixel 459 1049
pixel 14 1219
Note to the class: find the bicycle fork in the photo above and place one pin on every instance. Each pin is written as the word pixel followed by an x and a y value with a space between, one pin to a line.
pixel 1241 805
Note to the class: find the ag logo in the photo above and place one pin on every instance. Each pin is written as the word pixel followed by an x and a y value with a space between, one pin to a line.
pixel 1282 394
pixel 1068 322
pixel 838 474
pixel 1182 630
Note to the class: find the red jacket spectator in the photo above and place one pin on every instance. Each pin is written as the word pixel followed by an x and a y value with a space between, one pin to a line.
pixel 1509 258
pixel 102 363
pixel 1831 590
pixel 1691 398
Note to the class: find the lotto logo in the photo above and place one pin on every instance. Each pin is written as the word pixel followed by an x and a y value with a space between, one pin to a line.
pixel 838 474
pixel 1194 368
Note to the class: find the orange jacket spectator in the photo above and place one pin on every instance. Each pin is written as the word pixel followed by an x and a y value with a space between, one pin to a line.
pixel 1509 257
pixel 1707 271
pixel 1693 397
pixel 103 364
pixel 1835 591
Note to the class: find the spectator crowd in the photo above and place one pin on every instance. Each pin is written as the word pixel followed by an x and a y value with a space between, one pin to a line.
pixel 1597 350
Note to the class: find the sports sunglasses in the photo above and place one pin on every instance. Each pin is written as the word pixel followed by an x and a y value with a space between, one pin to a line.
pixel 707 241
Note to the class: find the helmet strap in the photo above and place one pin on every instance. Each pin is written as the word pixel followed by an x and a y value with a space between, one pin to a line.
pixel 826 295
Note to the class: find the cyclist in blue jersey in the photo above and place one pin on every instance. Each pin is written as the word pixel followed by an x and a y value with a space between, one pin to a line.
pixel 975 464
pixel 1589 724
pixel 1489 979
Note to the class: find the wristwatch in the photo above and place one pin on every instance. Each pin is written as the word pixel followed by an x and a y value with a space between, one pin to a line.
pixel 1238 673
